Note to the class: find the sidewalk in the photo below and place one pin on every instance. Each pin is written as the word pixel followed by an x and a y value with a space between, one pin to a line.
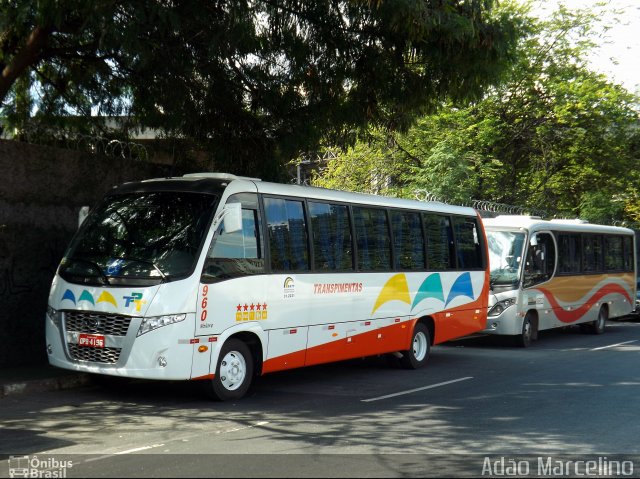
pixel 38 378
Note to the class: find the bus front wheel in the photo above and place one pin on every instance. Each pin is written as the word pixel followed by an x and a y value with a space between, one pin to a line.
pixel 234 372
pixel 599 325
pixel 417 355
pixel 528 333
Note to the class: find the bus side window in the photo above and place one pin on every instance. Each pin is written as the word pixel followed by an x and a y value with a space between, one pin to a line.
pixel 288 243
pixel 372 237
pixel 408 241
pixel 439 240
pixel 628 253
pixel 540 260
pixel 613 260
pixel 468 249
pixel 331 237
pixel 238 253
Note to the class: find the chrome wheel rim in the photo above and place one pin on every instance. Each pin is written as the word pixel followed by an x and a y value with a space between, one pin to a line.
pixel 420 346
pixel 233 370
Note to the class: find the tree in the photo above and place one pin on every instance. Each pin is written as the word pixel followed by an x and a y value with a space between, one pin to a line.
pixel 253 80
pixel 554 136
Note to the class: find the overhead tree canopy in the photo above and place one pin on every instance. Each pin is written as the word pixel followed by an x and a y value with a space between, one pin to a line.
pixel 254 80
pixel 554 136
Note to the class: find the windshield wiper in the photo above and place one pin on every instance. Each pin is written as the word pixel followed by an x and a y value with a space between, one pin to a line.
pixel 104 279
pixel 144 261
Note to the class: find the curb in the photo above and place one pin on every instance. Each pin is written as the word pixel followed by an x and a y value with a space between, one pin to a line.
pixel 42 385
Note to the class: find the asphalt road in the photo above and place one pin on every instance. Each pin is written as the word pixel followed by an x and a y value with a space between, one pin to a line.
pixel 571 395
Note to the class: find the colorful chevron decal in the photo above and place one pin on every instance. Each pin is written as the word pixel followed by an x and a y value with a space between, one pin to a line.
pixel 573 315
pixel 107 297
pixel 86 296
pixel 394 289
pixel 462 287
pixel 397 289
pixel 68 294
pixel 430 288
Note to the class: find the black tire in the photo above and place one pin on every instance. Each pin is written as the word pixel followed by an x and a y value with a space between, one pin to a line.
pixel 525 338
pixel 234 372
pixel 599 325
pixel 418 355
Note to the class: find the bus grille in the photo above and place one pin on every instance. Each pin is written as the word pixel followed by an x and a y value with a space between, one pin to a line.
pixel 97 323
pixel 94 355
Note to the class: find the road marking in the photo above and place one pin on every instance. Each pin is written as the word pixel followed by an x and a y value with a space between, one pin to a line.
pixel 241 428
pixel 183 438
pixel 614 345
pixel 128 451
pixel 138 449
pixel 410 391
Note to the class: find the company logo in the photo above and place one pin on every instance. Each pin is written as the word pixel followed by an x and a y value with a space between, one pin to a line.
pixel 134 298
pixel 331 288
pixel 92 324
pixel 26 466
pixel 289 288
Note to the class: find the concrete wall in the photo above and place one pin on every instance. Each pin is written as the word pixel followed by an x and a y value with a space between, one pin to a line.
pixel 41 192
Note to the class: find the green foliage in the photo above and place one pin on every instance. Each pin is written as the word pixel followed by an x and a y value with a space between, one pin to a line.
pixel 553 136
pixel 368 167
pixel 254 82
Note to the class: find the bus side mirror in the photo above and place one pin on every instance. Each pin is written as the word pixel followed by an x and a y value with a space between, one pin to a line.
pixel 232 219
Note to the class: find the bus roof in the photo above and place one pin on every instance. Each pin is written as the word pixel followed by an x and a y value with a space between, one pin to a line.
pixel 535 223
pixel 201 182
pixel 326 194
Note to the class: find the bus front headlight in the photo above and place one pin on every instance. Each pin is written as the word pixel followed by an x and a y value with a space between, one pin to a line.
pixel 500 306
pixel 155 322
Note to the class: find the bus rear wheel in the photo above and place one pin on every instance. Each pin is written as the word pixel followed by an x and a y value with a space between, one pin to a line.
pixel 234 372
pixel 417 355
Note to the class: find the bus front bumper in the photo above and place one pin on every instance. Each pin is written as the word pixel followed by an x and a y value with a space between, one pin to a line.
pixel 161 356
pixel 509 322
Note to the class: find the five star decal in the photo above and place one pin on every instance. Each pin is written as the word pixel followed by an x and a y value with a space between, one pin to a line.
pixel 254 311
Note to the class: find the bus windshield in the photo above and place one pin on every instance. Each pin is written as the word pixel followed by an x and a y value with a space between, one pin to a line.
pixel 139 239
pixel 505 257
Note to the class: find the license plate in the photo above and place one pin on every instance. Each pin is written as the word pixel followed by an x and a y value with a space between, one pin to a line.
pixel 91 341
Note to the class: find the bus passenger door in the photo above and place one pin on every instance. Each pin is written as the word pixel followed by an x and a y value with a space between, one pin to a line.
pixel 231 290
pixel 288 292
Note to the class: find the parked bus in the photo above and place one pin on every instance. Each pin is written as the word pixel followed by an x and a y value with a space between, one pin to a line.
pixel 221 278
pixel 550 274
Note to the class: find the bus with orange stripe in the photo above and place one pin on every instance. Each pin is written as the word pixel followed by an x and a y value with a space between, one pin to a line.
pixel 220 278
pixel 557 273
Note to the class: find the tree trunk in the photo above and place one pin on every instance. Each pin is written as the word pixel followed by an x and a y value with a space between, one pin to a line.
pixel 26 57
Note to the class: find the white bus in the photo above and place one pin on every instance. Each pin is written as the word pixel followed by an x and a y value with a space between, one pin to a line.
pixel 222 278
pixel 549 274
